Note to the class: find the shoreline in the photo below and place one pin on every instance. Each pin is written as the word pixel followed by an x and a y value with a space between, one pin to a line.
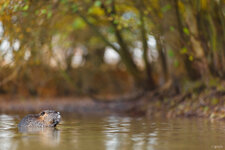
pixel 65 104
pixel 209 103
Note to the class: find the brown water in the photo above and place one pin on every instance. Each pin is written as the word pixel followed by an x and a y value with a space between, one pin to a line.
pixel 114 133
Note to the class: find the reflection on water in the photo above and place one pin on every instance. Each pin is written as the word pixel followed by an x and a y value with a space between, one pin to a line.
pixel 113 133
pixel 48 136
pixel 6 132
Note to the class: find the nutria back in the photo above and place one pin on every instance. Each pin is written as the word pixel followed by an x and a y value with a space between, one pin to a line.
pixel 46 118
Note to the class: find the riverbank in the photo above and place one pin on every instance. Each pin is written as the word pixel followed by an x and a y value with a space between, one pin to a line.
pixel 65 104
pixel 204 102
pixel 197 101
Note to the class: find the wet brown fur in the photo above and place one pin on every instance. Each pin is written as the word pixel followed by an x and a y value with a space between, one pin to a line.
pixel 40 120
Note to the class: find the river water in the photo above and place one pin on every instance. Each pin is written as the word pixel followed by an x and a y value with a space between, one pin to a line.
pixel 114 133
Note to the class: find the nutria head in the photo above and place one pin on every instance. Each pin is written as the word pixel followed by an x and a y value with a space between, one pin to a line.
pixel 46 118
pixel 49 118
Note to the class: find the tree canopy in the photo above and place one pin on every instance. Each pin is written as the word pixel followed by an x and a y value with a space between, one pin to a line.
pixel 60 46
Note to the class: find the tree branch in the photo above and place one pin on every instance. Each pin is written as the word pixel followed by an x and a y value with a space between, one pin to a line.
pixel 95 29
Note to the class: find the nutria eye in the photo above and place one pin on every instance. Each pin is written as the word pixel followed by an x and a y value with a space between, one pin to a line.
pixel 42 113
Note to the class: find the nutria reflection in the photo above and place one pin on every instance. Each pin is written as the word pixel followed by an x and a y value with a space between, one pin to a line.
pixel 47 136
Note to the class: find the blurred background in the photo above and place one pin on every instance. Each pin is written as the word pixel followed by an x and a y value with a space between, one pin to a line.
pixel 109 47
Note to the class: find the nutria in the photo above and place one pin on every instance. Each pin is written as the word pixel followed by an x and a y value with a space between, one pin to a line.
pixel 46 118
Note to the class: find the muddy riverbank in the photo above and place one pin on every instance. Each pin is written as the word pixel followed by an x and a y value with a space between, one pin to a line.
pixel 207 103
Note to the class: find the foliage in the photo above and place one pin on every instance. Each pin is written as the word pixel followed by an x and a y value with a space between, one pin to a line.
pixel 46 38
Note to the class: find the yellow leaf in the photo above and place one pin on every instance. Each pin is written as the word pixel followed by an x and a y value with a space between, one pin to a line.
pixel 204 4
pixel 119 27
pixel 96 11
pixel 21 36
pixel 18 29
pixel 181 6
pixel 28 29
pixel 190 58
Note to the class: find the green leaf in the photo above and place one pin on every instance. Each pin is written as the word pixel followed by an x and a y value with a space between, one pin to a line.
pixel 64 1
pixel 172 28
pixel 5 5
pixel 74 8
pixel 37 12
pixel 108 2
pixel 25 14
pixel 170 53
pixel 97 3
pixel 43 11
pixel 79 23
pixel 183 50
pixel 186 31
pixel 110 29
pixel 166 8
pixel 116 21
pixel 206 108
pixel 15 8
pixel 49 15
pixel 25 7
pixel 176 63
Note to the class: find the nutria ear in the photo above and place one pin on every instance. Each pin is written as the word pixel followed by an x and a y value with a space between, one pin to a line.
pixel 42 113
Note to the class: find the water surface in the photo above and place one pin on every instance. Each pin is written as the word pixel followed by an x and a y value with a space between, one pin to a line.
pixel 114 133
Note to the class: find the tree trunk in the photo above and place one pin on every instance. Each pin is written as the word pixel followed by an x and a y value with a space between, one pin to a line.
pixel 148 68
